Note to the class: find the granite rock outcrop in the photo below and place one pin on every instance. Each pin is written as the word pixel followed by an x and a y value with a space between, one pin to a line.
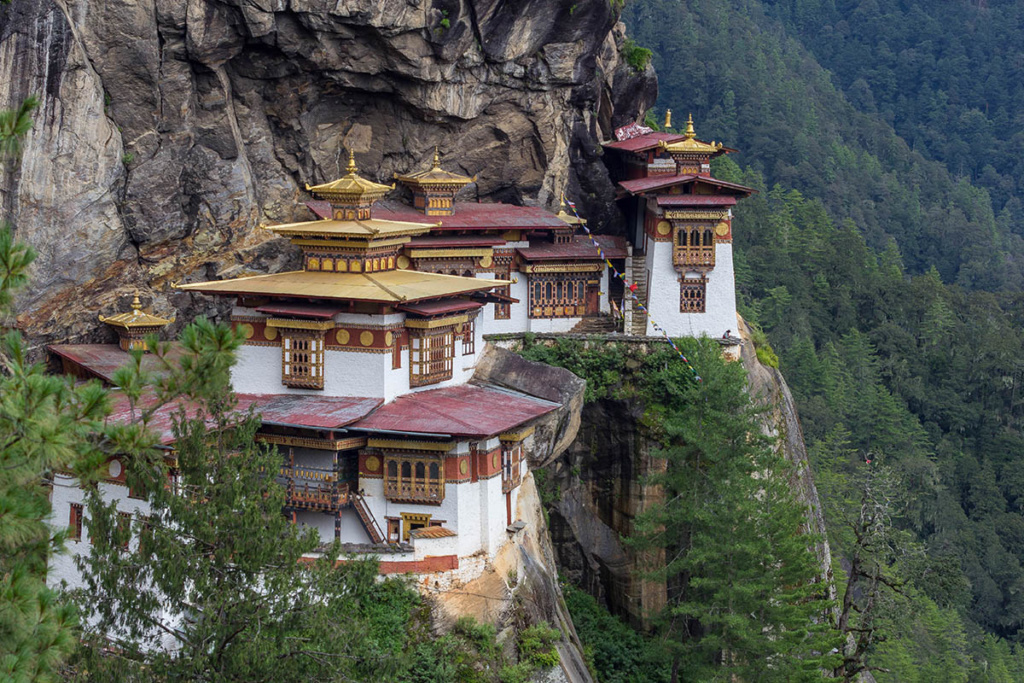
pixel 170 129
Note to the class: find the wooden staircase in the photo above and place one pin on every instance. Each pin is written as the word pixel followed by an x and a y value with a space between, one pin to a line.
pixel 640 279
pixel 372 528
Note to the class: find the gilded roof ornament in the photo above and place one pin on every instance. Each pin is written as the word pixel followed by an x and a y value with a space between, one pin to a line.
pixel 135 318
pixel 435 176
pixel 570 218
pixel 350 188
pixel 691 145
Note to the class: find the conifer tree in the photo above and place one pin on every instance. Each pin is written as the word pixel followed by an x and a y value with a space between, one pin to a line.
pixel 744 598
pixel 212 583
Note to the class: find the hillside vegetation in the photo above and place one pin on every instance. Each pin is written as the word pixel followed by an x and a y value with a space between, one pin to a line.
pixel 885 280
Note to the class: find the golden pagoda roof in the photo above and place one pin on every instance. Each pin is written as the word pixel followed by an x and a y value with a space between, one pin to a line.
pixel 390 286
pixel 369 228
pixel 351 188
pixel 690 143
pixel 135 318
pixel 435 175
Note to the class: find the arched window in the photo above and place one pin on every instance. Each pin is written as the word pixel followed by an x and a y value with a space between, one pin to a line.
pixel 421 471
pixel 468 273
pixel 707 238
pixel 547 290
pixel 392 468
pixel 435 471
pixel 406 470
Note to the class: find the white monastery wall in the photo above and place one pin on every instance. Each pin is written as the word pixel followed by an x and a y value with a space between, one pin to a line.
pixel 663 300
pixel 64 492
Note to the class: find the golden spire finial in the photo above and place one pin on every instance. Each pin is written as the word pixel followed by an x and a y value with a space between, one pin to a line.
pixel 668 118
pixel 437 158
pixel 136 304
pixel 690 133
pixel 351 168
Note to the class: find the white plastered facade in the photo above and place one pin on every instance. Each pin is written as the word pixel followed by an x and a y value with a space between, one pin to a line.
pixel 664 294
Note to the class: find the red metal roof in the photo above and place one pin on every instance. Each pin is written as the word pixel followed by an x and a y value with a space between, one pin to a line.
pixel 298 410
pixel 643 142
pixel 440 307
pixel 320 207
pixel 696 200
pixel 305 410
pixel 641 185
pixel 579 249
pixel 465 410
pixel 102 360
pixel 299 310
pixel 474 216
pixel 454 241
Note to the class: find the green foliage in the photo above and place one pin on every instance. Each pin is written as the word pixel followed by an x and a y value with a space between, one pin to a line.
pixel 636 56
pixel 537 645
pixel 763 349
pixel 127 158
pixel 616 652
pixel 755 597
pixel 15 125
pixel 46 424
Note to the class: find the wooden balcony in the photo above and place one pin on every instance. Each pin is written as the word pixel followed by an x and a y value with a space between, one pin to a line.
pixel 694 256
pixel 414 490
pixel 313 489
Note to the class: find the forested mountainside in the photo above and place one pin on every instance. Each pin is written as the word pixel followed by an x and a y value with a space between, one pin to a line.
pixel 885 278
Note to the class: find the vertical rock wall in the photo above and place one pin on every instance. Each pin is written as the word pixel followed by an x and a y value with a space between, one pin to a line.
pixel 169 129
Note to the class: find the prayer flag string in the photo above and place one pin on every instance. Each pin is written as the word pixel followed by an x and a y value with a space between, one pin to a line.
pixel 630 288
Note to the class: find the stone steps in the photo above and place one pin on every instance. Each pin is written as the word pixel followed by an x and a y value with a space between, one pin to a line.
pixel 640 279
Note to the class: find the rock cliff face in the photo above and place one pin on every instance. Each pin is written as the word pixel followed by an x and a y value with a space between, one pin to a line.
pixel 169 129
pixel 598 489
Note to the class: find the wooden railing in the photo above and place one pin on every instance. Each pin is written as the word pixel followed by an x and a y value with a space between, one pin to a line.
pixel 414 490
pixel 693 256
pixel 311 488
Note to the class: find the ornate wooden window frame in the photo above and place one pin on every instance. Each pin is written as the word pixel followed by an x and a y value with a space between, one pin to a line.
pixel 511 468
pixel 414 478
pixel 431 355
pixel 302 358
pixel 693 295
pixel 694 245
pixel 558 296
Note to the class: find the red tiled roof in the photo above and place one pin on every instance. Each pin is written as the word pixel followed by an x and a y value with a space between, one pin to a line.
pixel 297 410
pixel 454 241
pixel 440 307
pixel 103 360
pixel 474 216
pixel 696 200
pixel 299 310
pixel 643 142
pixel 580 248
pixel 661 181
pixel 465 410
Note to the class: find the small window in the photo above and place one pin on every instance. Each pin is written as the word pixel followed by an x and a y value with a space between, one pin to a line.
pixel 692 296
pixel 75 522
pixel 124 528
pixel 469 338
pixel 302 359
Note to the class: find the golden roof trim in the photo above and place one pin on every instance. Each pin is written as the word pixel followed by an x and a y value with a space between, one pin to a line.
pixel 398 444
pixel 389 286
pixel 367 229
pixel 434 323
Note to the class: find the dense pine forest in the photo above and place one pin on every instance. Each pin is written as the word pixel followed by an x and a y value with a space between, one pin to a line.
pixel 883 258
